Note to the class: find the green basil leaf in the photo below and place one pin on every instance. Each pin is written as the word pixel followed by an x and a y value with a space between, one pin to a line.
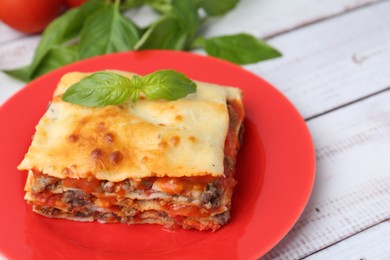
pixel 218 7
pixel 107 31
pixel 239 48
pixel 99 89
pixel 165 33
pixel 127 4
pixel 187 11
pixel 22 73
pixel 136 88
pixel 167 84
pixel 63 29
pixel 108 88
pixel 59 32
pixel 56 57
pixel 161 6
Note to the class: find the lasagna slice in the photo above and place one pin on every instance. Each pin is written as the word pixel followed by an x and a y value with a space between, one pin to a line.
pixel 161 162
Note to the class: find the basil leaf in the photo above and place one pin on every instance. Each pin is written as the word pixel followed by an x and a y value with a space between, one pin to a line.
pixel 165 33
pixel 174 29
pixel 239 48
pixel 107 31
pixel 63 29
pixel 21 73
pixel 97 27
pixel 55 58
pixel 161 6
pixel 99 89
pixel 167 84
pixel 187 11
pixel 127 4
pixel 108 88
pixel 218 7
pixel 136 87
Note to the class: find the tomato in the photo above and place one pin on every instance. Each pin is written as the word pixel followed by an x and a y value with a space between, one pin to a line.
pixel 170 185
pixel 29 16
pixel 74 3
pixel 88 186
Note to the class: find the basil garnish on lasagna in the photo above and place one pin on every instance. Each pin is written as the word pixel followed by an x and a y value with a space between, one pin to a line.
pixel 150 161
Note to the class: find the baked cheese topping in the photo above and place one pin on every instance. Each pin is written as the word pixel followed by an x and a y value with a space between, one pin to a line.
pixel 133 140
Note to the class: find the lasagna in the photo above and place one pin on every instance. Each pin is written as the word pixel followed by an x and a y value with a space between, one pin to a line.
pixel 159 162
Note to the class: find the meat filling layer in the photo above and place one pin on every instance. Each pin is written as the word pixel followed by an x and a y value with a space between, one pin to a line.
pixel 200 202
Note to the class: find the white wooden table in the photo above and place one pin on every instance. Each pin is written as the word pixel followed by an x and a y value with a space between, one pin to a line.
pixel 336 71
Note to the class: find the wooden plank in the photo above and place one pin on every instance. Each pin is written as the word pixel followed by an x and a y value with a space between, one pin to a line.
pixel 333 62
pixel 8 34
pixel 352 187
pixel 313 77
pixel 373 243
pixel 262 18
pixel 18 53
pixel 14 54
pixel 266 18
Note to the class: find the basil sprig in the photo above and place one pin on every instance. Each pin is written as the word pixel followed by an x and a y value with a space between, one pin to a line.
pixel 62 33
pixel 100 27
pixel 240 48
pixel 107 88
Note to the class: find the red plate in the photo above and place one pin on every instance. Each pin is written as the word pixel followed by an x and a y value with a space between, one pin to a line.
pixel 276 168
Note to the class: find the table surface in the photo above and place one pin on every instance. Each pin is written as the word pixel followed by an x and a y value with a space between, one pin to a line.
pixel 336 70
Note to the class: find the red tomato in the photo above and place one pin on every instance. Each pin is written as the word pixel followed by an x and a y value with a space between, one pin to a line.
pixel 74 3
pixel 29 16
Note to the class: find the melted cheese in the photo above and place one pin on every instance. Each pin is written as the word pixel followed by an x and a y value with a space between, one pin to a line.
pixel 159 138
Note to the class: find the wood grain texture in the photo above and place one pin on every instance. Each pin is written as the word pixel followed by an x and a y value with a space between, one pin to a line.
pixel 18 53
pixel 8 34
pixel 332 62
pixel 352 187
pixel 313 77
pixel 14 54
pixel 373 243
pixel 266 18
pixel 326 65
